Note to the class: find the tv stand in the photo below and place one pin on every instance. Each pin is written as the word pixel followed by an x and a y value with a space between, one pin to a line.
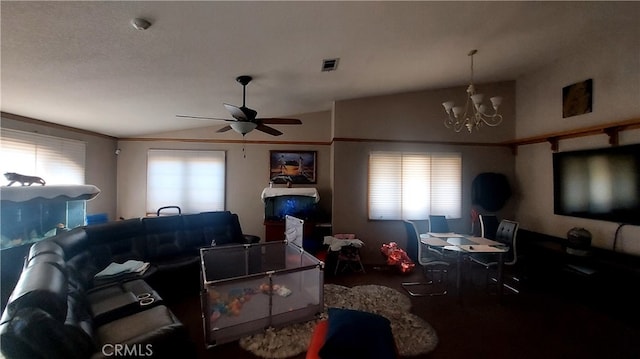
pixel 603 279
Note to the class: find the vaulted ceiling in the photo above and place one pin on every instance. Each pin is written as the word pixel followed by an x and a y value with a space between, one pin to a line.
pixel 82 64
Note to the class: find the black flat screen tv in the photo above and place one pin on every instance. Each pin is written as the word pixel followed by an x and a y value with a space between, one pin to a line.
pixel 601 184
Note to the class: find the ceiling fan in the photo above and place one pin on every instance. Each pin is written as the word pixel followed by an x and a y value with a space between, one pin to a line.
pixel 245 119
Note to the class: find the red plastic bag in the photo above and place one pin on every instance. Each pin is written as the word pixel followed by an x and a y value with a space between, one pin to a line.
pixel 396 256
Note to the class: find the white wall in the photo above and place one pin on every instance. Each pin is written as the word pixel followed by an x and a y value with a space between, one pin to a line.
pixel 614 65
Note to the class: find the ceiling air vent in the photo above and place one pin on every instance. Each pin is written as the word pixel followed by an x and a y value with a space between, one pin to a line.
pixel 329 64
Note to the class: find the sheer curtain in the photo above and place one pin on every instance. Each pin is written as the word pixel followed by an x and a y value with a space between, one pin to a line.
pixel 406 185
pixel 57 160
pixel 191 179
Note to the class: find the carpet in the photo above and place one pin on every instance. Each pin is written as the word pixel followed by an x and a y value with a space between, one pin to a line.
pixel 412 334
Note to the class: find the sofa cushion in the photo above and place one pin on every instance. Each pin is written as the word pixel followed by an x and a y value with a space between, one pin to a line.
pixel 219 228
pixel 156 332
pixel 114 307
pixel 165 237
pixel 121 299
pixel 45 246
pixel 194 231
pixel 33 333
pixel 51 258
pixel 117 241
pixel 44 286
pixel 72 242
pixel 81 269
pixel 78 324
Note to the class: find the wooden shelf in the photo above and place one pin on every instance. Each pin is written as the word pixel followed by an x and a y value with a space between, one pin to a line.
pixel 610 129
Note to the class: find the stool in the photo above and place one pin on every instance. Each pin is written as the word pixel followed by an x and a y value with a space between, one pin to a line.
pixel 349 257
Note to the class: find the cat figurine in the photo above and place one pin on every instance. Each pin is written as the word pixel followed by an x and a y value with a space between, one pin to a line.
pixel 24 180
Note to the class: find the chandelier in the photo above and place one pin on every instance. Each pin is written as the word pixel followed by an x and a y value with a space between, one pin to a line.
pixel 475 113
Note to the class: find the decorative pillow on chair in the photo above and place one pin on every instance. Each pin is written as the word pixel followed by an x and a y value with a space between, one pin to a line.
pixel 356 334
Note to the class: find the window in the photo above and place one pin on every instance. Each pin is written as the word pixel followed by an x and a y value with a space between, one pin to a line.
pixel 56 160
pixel 192 180
pixel 413 185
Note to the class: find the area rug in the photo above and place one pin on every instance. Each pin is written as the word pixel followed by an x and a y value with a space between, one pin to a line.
pixel 412 334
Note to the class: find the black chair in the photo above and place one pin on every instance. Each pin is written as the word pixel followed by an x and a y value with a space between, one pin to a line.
pixel 431 264
pixel 507 234
pixel 488 225
pixel 439 224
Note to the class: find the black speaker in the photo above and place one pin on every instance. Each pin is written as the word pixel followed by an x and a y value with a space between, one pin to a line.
pixel 490 191
pixel 578 241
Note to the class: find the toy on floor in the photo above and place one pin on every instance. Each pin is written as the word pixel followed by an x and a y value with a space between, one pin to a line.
pixel 278 289
pixel 230 303
pixel 397 257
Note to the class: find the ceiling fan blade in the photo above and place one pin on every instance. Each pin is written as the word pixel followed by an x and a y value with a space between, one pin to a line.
pixel 224 129
pixel 280 121
pixel 204 118
pixel 269 130
pixel 236 112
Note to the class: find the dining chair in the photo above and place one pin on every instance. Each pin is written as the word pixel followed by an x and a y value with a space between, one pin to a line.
pixel 488 225
pixel 438 224
pixel 507 234
pixel 431 264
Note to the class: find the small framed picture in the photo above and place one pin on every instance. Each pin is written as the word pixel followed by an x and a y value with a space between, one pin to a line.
pixel 576 98
pixel 295 167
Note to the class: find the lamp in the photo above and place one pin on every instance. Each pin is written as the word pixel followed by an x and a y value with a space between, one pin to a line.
pixel 243 127
pixel 475 113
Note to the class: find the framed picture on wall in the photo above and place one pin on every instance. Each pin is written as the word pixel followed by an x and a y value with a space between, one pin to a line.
pixel 577 98
pixel 296 167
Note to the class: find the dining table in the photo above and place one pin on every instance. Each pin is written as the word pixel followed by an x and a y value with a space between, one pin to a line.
pixel 464 245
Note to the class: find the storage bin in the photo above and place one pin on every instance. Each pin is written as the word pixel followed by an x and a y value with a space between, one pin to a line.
pixel 248 288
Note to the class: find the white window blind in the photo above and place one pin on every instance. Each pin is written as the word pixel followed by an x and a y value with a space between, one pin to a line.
pixel 56 160
pixel 192 180
pixel 414 185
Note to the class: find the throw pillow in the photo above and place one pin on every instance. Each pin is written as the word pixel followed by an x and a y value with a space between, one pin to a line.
pixel 356 334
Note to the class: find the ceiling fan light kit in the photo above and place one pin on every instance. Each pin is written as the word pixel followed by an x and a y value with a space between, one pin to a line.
pixel 474 114
pixel 243 127
pixel 245 119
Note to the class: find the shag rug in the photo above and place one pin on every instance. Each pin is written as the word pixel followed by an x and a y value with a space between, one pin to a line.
pixel 412 334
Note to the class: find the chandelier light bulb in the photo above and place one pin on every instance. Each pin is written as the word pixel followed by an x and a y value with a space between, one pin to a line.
pixel 448 106
pixel 496 102
pixel 477 98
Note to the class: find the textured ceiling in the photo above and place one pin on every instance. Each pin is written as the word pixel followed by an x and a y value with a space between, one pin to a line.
pixel 82 64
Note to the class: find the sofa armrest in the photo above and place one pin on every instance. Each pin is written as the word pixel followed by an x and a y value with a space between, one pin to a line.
pixel 115 307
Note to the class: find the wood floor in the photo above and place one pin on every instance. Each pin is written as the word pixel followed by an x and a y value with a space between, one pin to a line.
pixel 546 320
